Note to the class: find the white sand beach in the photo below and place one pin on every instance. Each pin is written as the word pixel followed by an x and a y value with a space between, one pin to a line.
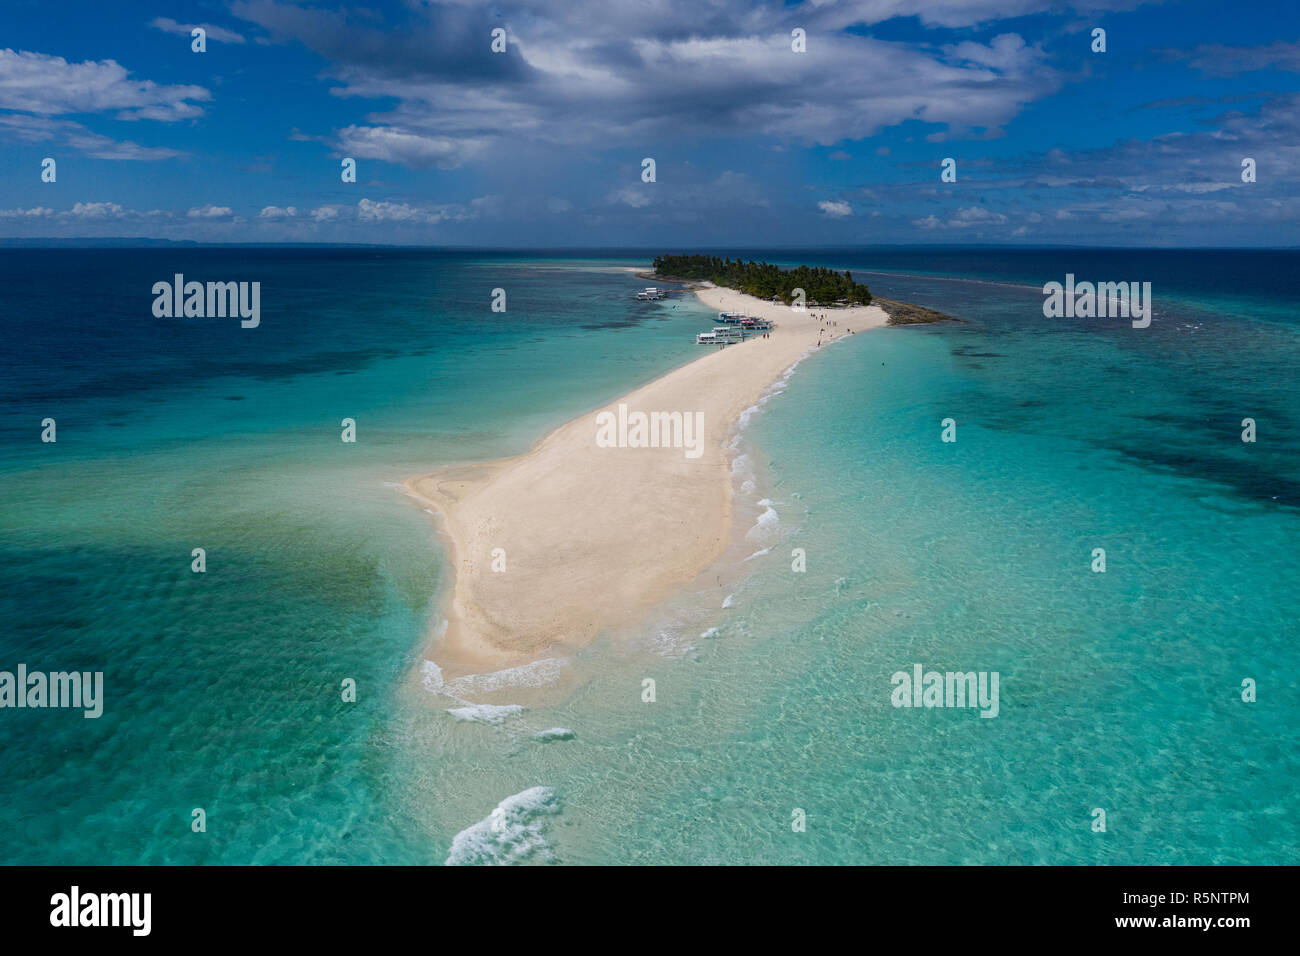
pixel 592 536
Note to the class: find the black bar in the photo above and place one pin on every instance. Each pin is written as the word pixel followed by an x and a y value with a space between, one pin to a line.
pixel 940 905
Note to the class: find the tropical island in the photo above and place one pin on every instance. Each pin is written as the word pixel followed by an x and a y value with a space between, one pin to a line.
pixel 766 281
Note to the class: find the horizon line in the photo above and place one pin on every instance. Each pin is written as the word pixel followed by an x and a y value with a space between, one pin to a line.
pixel 139 242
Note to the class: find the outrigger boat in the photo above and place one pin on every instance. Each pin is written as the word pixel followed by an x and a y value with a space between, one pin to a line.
pixel 725 335
pixel 650 293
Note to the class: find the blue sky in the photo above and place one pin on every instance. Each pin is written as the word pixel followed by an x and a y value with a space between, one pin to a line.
pixel 754 144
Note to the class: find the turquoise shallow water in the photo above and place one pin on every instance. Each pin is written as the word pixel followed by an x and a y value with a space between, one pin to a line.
pixel 1118 691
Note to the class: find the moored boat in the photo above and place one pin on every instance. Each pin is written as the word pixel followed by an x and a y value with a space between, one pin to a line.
pixel 723 335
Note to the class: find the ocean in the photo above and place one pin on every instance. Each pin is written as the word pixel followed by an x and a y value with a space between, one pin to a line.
pixel 773 737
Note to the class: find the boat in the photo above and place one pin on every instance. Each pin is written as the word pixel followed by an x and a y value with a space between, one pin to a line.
pixel 723 335
pixel 651 293
pixel 731 318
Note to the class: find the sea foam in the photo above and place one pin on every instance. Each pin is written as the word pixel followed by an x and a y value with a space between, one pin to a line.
pixel 494 714
pixel 510 834
pixel 547 670
pixel 431 677
pixel 766 522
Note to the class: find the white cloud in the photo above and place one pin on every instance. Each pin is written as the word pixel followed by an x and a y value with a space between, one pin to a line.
pixel 39 129
pixel 222 35
pixel 50 86
pixel 836 209
pixel 589 72
pixel 632 196
pixel 945 13
pixel 413 149
pixel 370 211
pixel 1186 187
pixel 1006 53
pixel 969 217
pixel 210 212
pixel 38 87
pixel 95 210
pixel 277 212
pixel 975 216
pixel 325 213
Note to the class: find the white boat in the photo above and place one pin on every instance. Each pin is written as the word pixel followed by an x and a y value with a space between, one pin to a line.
pixel 650 293
pixel 731 318
pixel 725 335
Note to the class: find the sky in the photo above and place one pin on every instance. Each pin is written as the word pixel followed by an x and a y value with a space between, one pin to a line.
pixel 754 141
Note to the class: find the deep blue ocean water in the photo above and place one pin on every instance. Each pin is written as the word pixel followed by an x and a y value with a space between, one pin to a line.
pixel 1119 691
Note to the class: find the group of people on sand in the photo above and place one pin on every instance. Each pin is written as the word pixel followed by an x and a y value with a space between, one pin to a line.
pixel 827 325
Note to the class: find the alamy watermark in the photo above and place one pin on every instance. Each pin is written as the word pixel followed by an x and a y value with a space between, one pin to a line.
pixel 651 430
pixel 75 908
pixel 1086 300
pixel 923 688
pixel 213 300
pixel 74 689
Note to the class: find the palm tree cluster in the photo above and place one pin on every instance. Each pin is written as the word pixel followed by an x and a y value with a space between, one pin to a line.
pixel 764 280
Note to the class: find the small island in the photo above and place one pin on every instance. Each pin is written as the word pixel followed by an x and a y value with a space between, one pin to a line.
pixel 766 281
pixel 822 287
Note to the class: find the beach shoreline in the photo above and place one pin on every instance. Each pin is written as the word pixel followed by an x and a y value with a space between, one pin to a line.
pixel 582 534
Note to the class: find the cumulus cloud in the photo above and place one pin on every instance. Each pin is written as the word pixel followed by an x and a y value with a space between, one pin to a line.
pixel 278 212
pixel 597 73
pixel 400 212
pixel 210 212
pixel 836 209
pixel 51 86
pixel 325 213
pixel 37 88
pixel 976 216
pixel 408 147
pixel 95 210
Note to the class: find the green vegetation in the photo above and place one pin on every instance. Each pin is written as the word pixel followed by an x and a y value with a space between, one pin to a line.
pixel 761 279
